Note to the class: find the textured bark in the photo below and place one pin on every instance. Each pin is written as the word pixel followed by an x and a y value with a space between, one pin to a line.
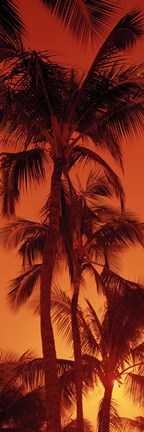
pixel 52 396
pixel 105 413
pixel 78 358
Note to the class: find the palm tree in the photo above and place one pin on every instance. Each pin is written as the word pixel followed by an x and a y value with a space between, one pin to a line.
pixel 21 408
pixel 48 110
pixel 82 230
pixel 111 346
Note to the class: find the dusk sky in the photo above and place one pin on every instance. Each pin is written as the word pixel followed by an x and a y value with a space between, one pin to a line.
pixel 21 332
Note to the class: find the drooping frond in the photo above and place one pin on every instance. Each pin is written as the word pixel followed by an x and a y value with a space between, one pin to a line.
pixel 132 425
pixel 137 352
pixel 82 153
pixel 22 287
pixel 109 107
pixel 123 36
pixel 31 250
pixel 18 169
pixel 134 385
pixel 115 282
pixel 96 186
pixel 10 21
pixel 18 231
pixel 31 372
pixel 89 339
pixel 61 307
pixel 85 19
pixel 24 410
pixel 119 233
pixel 93 320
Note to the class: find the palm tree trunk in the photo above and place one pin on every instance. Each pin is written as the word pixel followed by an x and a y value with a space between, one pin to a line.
pixel 104 425
pixel 52 396
pixel 77 357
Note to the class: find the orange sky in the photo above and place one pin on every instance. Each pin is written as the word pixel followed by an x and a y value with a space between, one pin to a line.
pixel 20 332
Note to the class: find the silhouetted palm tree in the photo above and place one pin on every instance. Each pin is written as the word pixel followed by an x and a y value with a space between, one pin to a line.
pixel 82 231
pixel 75 217
pixel 47 110
pixel 112 347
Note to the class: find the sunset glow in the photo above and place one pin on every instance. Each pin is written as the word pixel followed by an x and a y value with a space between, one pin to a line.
pixel 72 212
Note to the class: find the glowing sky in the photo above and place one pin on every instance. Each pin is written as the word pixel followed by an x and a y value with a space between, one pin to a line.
pixel 20 332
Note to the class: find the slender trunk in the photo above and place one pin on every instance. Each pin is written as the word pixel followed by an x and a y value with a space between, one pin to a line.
pixel 52 397
pixel 78 358
pixel 105 412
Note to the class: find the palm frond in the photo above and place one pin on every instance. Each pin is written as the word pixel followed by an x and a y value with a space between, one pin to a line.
pixel 17 170
pixel 123 36
pixel 107 123
pixel 71 427
pixel 10 21
pixel 61 307
pixel 114 419
pixel 82 153
pixel 120 233
pixel 22 287
pixel 92 319
pixel 90 268
pixel 18 231
pixel 89 340
pixel 122 324
pixel 85 20
pixel 134 385
pixel 31 250
pixel 97 186
pixel 26 410
pixel 31 372
pixel 133 425
pixel 137 352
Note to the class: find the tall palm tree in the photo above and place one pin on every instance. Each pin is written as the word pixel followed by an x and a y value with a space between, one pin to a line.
pixel 21 408
pixel 82 230
pixel 111 346
pixel 48 110
pixel 73 224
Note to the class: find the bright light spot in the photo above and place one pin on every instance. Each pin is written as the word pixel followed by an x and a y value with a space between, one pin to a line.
pixel 115 383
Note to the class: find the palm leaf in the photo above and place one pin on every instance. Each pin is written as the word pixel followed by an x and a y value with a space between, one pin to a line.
pixel 17 231
pixel 17 170
pixel 123 36
pixel 61 306
pixel 10 21
pixel 121 233
pixel 27 410
pixel 115 421
pixel 97 186
pixel 84 19
pixel 22 287
pixel 71 427
pixel 137 352
pixel 133 425
pixel 82 153
pixel 104 122
pixel 134 385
